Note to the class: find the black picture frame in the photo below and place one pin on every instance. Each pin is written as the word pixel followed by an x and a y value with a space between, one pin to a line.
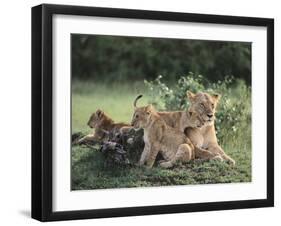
pixel 42 111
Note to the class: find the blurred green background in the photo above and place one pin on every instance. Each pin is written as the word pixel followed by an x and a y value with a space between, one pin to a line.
pixel 109 72
pixel 113 58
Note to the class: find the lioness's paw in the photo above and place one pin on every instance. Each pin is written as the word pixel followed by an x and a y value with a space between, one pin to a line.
pixel 140 163
pixel 166 164
pixel 148 167
pixel 218 158
pixel 232 162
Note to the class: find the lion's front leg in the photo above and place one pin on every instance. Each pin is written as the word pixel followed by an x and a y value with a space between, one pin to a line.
pixel 206 155
pixel 144 154
pixel 86 138
pixel 94 136
pixel 216 149
pixel 151 156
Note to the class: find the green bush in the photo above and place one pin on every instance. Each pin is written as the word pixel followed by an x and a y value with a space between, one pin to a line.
pixel 117 58
pixel 233 117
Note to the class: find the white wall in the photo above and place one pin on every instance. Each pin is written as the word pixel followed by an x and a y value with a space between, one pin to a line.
pixel 15 105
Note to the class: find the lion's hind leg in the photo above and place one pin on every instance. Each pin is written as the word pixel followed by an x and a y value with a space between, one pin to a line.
pixel 184 153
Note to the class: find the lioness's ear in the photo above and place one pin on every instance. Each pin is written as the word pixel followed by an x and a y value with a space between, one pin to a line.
pixel 216 97
pixel 190 95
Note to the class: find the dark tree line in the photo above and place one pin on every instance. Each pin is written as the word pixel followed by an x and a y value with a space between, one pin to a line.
pixel 130 58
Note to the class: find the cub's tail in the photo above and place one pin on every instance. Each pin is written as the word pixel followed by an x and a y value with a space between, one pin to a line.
pixel 137 98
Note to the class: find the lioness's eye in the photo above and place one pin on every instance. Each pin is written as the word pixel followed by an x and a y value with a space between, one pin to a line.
pixel 137 116
pixel 202 105
pixel 213 105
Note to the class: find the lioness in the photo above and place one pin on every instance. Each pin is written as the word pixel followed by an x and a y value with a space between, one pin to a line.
pixel 205 106
pixel 102 125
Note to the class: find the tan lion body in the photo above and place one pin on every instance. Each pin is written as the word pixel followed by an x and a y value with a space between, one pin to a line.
pixel 204 137
pixel 159 137
pixel 102 124
pixel 173 144
pixel 181 121
pixel 205 105
pixel 176 119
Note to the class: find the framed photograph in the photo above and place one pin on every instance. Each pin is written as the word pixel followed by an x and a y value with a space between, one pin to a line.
pixel 145 112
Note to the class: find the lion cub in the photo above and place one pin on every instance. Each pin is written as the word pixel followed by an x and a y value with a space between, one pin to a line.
pixel 102 125
pixel 173 144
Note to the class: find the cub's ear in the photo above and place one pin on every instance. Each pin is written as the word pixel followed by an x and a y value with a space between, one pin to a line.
pixel 99 113
pixel 216 97
pixel 190 95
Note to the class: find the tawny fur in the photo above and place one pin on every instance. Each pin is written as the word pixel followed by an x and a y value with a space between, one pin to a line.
pixel 173 144
pixel 188 122
pixel 204 105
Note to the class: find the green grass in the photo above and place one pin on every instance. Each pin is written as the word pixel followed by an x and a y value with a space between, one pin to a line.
pixel 115 99
pixel 90 172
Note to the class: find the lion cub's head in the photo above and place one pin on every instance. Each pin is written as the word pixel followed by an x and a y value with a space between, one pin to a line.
pixel 97 119
pixel 204 105
pixel 141 116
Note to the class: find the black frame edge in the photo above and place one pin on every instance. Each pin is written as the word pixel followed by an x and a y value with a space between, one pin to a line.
pixel 156 15
pixel 156 210
pixel 36 156
pixel 270 112
pixel 41 204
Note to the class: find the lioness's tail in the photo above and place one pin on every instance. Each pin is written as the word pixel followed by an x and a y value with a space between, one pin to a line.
pixel 135 102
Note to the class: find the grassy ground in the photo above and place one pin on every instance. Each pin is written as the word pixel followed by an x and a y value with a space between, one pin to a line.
pixel 89 171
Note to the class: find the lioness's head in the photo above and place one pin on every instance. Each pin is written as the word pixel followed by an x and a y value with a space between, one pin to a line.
pixel 204 105
pixel 141 115
pixel 97 119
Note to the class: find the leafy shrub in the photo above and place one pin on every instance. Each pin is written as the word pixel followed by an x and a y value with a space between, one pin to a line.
pixel 108 58
pixel 233 117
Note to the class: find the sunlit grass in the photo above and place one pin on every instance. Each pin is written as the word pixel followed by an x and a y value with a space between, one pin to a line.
pixel 88 171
